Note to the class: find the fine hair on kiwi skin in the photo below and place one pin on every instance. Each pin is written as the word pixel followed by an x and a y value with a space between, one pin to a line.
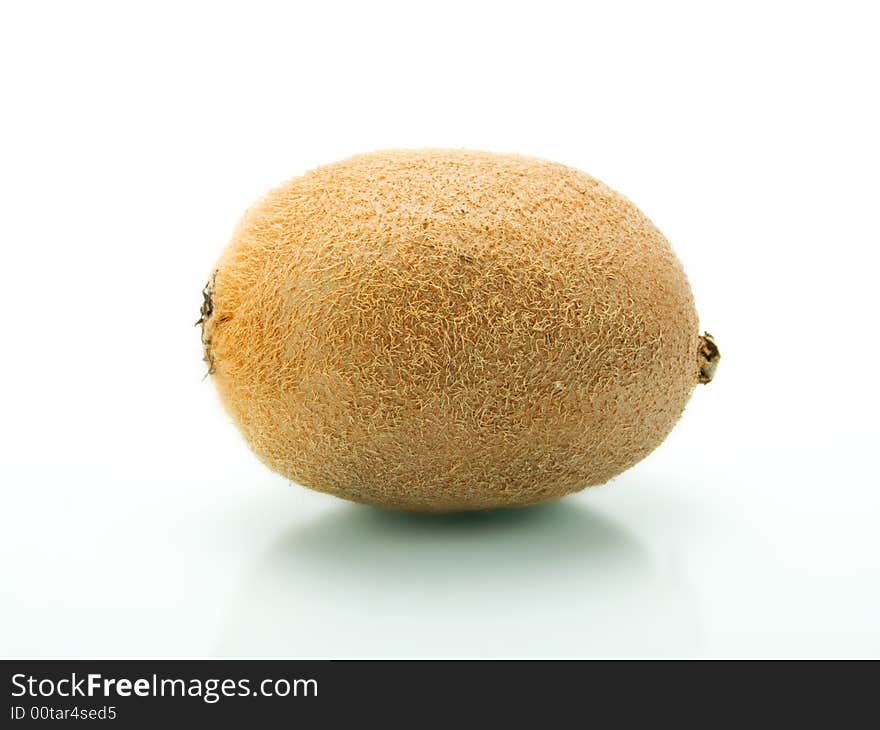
pixel 709 352
pixel 443 330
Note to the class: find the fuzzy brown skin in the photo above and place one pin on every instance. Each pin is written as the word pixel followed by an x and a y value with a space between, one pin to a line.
pixel 447 330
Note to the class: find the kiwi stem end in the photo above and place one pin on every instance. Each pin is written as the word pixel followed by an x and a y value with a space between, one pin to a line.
pixel 709 356
pixel 206 311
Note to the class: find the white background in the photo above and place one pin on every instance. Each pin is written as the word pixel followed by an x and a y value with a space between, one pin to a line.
pixel 135 522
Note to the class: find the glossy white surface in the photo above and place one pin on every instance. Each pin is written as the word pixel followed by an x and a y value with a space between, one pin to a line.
pixel 133 520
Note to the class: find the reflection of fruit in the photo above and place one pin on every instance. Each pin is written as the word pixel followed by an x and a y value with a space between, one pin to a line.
pixel 447 330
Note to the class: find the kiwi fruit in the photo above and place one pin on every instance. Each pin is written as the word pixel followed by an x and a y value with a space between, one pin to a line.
pixel 444 330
